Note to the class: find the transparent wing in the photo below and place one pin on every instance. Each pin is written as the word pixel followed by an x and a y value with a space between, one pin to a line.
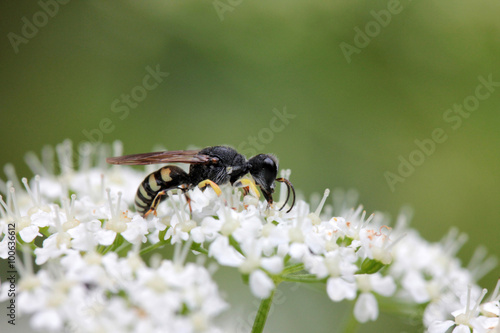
pixel 174 156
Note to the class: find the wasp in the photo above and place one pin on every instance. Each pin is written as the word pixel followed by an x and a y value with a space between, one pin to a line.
pixel 211 166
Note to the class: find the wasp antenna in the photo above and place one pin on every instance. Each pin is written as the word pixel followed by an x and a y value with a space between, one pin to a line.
pixel 282 180
pixel 289 186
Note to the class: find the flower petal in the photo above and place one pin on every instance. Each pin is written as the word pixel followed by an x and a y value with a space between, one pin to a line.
pixel 440 326
pixel 224 253
pixel 273 264
pixel 29 233
pixel 366 308
pixel 261 284
pixel 338 289
pixel 383 285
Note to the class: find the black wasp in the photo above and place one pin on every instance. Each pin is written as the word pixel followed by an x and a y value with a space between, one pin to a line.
pixel 209 166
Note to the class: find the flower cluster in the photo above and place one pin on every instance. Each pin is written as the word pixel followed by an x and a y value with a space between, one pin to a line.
pixel 88 244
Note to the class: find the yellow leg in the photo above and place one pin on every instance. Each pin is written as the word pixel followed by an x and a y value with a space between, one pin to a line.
pixel 155 203
pixel 248 185
pixel 212 184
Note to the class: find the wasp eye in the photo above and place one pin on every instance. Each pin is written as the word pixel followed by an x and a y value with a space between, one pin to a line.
pixel 269 170
pixel 264 169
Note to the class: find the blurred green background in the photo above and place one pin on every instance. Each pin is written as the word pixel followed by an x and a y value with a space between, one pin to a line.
pixel 233 65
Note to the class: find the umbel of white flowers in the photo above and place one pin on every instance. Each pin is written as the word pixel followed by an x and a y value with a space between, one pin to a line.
pixel 79 227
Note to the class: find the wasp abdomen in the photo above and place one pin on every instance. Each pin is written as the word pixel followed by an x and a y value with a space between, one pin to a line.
pixel 164 179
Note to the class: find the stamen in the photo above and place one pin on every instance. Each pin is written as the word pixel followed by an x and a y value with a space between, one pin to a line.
pixel 108 192
pixel 117 213
pixel 10 172
pixel 58 219
pixel 185 250
pixel 34 163
pixel 72 206
pixel 186 224
pixel 453 241
pixel 3 186
pixel 353 214
pixel 322 203
pixel 495 296
pixel 85 150
pixel 37 187
pixel 69 208
pixel 102 153
pixel 102 188
pixel 177 252
pixel 478 256
pixel 478 302
pixel 117 148
pixel 65 156
pixel 177 210
pixel 390 246
pixel 17 214
pixel 478 265
pixel 32 196
pixel 118 221
pixel 487 266
pixel 48 159
pixel 6 207
pixel 235 199
pixel 301 208
pixel 364 223
pixel 464 318
pixel 363 217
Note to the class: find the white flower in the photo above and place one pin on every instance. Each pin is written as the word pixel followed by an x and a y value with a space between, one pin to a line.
pixel 224 253
pixel 366 307
pixel 207 231
pixel 339 289
pixel 465 318
pixel 261 284
pixel 90 243
pixel 136 230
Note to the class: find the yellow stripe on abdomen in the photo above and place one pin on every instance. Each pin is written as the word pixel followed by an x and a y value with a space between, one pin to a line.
pixel 145 194
pixel 152 183
pixel 165 174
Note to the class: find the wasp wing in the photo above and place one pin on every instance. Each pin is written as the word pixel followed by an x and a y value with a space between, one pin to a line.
pixel 174 156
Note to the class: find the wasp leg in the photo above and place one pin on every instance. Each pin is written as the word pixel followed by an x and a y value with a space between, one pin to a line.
pixel 248 185
pixel 155 203
pixel 207 182
pixel 188 198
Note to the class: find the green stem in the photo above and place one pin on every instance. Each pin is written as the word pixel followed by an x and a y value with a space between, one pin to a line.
pixel 293 269
pixel 234 243
pixel 104 249
pixel 303 278
pixel 197 247
pixel 262 313
pixel 122 249
pixel 152 247
pixel 162 241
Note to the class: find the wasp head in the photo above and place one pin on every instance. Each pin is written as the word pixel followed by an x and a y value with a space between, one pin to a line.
pixel 264 169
